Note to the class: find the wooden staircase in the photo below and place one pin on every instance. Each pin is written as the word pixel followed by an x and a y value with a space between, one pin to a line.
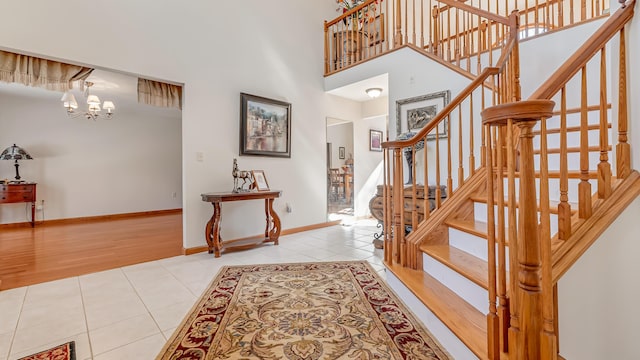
pixel 487 243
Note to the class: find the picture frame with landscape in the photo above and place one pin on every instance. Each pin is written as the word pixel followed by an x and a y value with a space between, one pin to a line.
pixel 265 126
pixel 414 113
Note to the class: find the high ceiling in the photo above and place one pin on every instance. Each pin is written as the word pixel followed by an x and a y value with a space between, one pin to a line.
pixel 357 91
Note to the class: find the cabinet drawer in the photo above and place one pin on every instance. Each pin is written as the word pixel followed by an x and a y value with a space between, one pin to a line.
pixel 16 196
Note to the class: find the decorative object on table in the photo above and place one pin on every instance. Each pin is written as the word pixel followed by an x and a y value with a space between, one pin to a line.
pixel 93 105
pixel 407 152
pixel 66 351
pixel 238 175
pixel 259 180
pixel 15 153
pixel 341 152
pixel 375 140
pixel 323 310
pixel 265 126
pixel 414 113
pixel 365 15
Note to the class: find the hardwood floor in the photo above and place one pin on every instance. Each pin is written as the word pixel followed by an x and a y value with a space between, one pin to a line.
pixel 55 251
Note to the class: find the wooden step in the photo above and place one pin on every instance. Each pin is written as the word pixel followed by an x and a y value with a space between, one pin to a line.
pixel 553 205
pixel 465 264
pixel 477 228
pixel 459 316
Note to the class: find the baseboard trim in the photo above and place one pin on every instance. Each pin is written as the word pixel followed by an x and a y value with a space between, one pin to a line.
pixel 199 249
pixel 93 218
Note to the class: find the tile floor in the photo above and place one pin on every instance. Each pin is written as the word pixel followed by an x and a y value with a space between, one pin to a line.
pixel 130 312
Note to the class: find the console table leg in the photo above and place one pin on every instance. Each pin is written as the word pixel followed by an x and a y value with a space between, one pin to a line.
pixel 33 214
pixel 212 231
pixel 274 234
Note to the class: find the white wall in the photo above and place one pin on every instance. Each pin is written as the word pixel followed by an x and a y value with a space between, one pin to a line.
pixel 369 168
pixel 83 168
pixel 217 49
pixel 598 296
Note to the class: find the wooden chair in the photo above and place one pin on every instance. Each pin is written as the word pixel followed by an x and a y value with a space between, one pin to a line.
pixel 336 184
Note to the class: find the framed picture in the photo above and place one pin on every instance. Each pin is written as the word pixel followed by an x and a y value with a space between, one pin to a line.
pixel 375 140
pixel 259 180
pixel 265 126
pixel 341 152
pixel 375 30
pixel 414 113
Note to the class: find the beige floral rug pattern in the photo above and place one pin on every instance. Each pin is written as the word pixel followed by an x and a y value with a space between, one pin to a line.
pixel 301 311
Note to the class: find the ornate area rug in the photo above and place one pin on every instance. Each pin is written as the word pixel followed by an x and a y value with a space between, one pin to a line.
pixel 61 352
pixel 301 311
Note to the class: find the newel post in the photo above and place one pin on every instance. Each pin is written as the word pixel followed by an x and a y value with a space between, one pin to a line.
pixel 528 327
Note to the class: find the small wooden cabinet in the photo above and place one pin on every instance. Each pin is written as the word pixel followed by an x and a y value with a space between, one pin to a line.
pixel 19 193
pixel 377 202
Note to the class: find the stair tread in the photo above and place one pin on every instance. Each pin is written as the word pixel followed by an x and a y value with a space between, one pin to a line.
pixel 553 205
pixel 465 321
pixel 467 265
pixel 474 227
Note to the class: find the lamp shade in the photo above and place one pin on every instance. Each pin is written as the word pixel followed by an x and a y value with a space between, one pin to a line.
pixel 69 101
pixel 15 153
pixel 108 105
pixel 93 100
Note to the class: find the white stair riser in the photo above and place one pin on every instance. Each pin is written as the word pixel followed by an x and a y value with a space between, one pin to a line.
pixel 472 293
pixel 473 245
pixel 439 330
pixel 480 214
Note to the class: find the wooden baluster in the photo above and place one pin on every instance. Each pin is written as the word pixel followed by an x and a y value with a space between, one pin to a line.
pixel 413 20
pixel 457 38
pixel 481 42
pixel 583 10
pixel 406 22
pixel 414 200
pixel 438 191
pixel 422 24
pixel 528 250
pixel 435 32
pixel 584 187
pixel 397 38
pixel 427 206
pixel 623 149
pixel 449 37
pixel 468 43
pixel 490 42
pixel 548 339
pixel 326 48
pixel 387 209
pixel 571 13
pixel 449 169
pixel 493 321
pixel 398 208
pixel 460 167
pixel 564 208
pixel 503 303
pixel 604 167
pixel 472 160
pixel 514 324
pixel 483 146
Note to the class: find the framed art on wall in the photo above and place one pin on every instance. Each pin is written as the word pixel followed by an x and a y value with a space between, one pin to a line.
pixel 414 113
pixel 341 152
pixel 265 126
pixel 375 140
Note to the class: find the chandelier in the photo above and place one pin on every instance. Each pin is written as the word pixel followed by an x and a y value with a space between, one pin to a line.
pixel 93 105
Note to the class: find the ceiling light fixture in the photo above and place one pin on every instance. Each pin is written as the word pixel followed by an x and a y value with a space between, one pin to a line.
pixel 373 92
pixel 93 110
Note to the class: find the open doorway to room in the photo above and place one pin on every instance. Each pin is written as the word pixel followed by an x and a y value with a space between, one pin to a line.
pixel 340 170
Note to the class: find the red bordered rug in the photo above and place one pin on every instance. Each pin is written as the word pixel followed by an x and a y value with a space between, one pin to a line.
pixel 65 351
pixel 302 311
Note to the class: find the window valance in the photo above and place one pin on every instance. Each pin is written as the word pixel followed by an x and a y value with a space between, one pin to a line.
pixel 43 73
pixel 161 94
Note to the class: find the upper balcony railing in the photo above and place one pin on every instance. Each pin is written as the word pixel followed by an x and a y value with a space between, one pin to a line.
pixel 465 35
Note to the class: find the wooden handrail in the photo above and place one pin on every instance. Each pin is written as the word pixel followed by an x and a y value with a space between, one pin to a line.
pixel 580 58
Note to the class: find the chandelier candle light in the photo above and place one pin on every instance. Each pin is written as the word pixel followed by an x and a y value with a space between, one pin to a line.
pixel 93 102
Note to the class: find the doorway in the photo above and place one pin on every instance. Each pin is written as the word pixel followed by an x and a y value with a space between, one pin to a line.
pixel 340 170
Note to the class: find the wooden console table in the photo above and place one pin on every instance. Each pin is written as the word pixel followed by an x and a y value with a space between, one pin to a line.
pixel 19 193
pixel 212 230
